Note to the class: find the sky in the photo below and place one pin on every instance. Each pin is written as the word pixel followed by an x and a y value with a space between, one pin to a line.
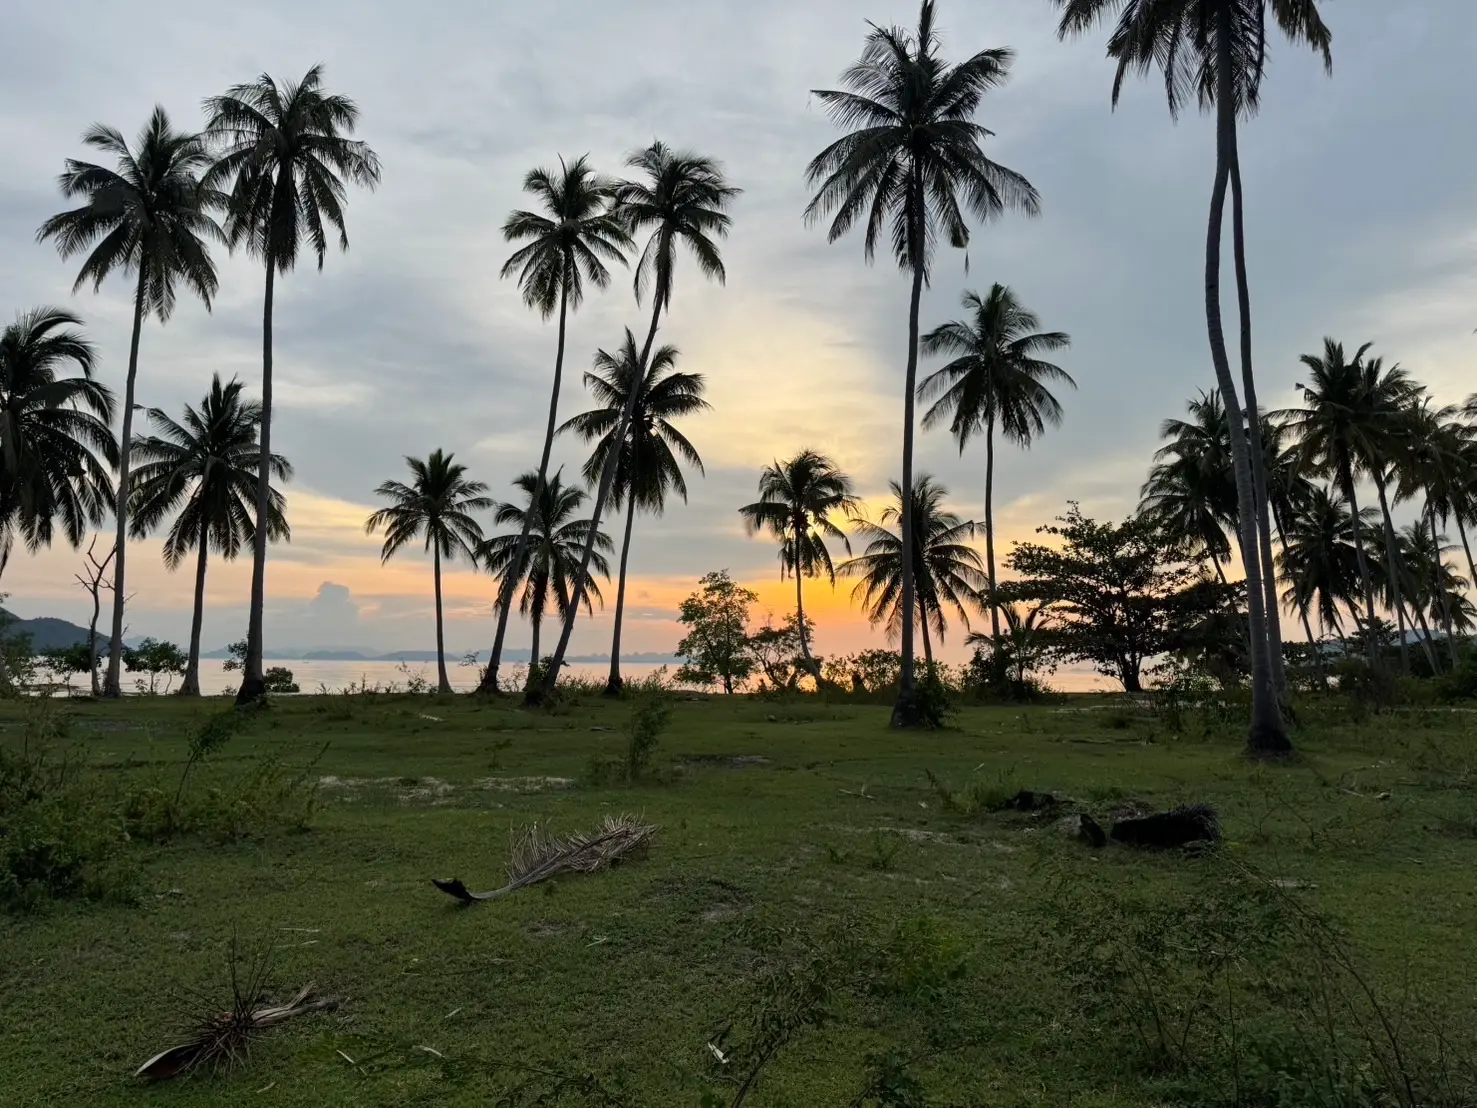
pixel 1361 225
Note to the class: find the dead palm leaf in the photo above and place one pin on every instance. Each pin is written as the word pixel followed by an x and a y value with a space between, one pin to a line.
pixel 538 855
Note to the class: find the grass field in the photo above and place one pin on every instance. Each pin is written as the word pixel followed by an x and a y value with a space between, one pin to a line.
pixel 810 890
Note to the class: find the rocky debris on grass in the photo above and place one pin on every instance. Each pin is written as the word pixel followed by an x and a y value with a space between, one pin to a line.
pixel 539 856
pixel 1192 825
pixel 725 761
pixel 1084 829
pixel 1028 801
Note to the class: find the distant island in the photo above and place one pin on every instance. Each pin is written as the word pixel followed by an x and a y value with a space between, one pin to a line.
pixel 349 654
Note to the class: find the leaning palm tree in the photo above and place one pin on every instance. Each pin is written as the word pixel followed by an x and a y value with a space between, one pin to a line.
pixel 437 504
pixel 1216 51
pixel 996 380
pixel 564 246
pixel 149 216
pixel 913 157
pixel 797 498
pixel 946 569
pixel 284 154
pixel 681 198
pixel 56 442
pixel 204 469
pixel 551 562
pixel 648 459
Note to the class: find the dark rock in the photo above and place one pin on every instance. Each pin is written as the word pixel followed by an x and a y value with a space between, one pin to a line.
pixel 1027 801
pixel 1084 829
pixel 1195 825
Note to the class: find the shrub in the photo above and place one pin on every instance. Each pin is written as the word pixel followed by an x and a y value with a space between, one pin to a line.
pixel 279 679
pixel 650 715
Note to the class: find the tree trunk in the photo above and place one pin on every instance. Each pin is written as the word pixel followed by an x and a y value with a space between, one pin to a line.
pixel 1267 735
pixel 1365 583
pixel 537 694
pixel 191 684
pixel 1394 568
pixel 97 688
pixel 1131 680
pixel 810 666
pixel 927 642
pixel 905 711
pixel 113 686
pixel 443 683
pixel 1441 593
pixel 253 683
pixel 489 685
pixel 1466 546
pixel 990 534
pixel 538 622
pixel 615 683
pixel 1317 648
pixel 1254 434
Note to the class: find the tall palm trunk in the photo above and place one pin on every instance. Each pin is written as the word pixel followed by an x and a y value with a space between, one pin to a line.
pixel 253 683
pixel 1466 546
pixel 539 693
pixel 191 684
pixel 533 660
pixel 1267 735
pixel 927 641
pixel 113 686
pixel 443 684
pixel 615 682
pixel 905 712
pixel 505 594
pixel 1254 431
pixel 990 530
pixel 1365 583
pixel 1441 592
pixel 1394 568
pixel 810 666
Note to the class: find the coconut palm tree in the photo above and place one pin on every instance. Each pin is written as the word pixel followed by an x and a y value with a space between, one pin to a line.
pixel 1320 558
pixel 204 469
pixel 565 245
pixel 648 460
pixel 284 157
pixel 56 442
pixel 437 504
pixel 797 498
pixel 1216 51
pixel 1190 491
pixel 552 560
pixel 682 199
pixel 948 571
pixel 913 157
pixel 149 216
pixel 996 379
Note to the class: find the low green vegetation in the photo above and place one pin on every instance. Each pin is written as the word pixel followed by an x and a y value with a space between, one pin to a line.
pixel 833 912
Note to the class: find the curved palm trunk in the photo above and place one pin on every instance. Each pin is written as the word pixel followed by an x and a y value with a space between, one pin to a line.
pixel 1394 568
pixel 1466 546
pixel 538 694
pixel 927 641
pixel 505 594
pixel 253 684
pixel 190 686
pixel 443 684
pixel 1441 593
pixel 1365 583
pixel 1267 735
pixel 113 686
pixel 615 682
pixel 990 534
pixel 905 711
pixel 1254 435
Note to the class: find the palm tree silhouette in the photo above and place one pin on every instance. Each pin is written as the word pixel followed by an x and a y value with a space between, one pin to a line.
pixel 996 380
pixel 682 198
pixel 1216 51
pixel 564 248
pixel 1320 558
pixel 437 504
pixel 150 215
pixel 947 571
pixel 912 157
pixel 205 469
pixel 284 153
pixel 646 459
pixel 796 500
pixel 553 559
pixel 1190 491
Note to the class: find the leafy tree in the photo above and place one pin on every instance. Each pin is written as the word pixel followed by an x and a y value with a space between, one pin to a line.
pixel 913 157
pixel 779 652
pixel 63 661
pixel 204 469
pixel 797 498
pixel 552 558
pixel 155 657
pixel 946 571
pixel 648 459
pixel 716 646
pixel 278 679
pixel 996 380
pixel 564 246
pixel 284 154
pixel 436 505
pixel 682 198
pixel 150 216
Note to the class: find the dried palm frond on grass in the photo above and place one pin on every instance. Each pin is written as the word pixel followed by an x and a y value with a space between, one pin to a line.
pixel 539 855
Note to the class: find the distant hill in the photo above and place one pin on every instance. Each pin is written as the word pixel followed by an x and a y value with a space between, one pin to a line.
pixel 47 633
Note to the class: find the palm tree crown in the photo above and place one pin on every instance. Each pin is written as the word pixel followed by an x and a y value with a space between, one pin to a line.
pixel 1190 490
pixel 797 498
pixel 435 506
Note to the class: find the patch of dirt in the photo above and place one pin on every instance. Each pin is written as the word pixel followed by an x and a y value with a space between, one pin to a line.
pixel 546 930
pixel 919 835
pixel 426 790
pixel 523 784
pixel 725 761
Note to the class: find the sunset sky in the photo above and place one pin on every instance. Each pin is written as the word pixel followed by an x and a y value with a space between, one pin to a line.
pixel 1361 214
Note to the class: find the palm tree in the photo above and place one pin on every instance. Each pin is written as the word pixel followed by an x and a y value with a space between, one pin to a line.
pixel 912 153
pixel 1216 50
pixel 437 504
pixel 946 569
pixel 1432 464
pixel 563 248
pixel 682 199
pixel 796 500
pixel 204 469
pixel 150 215
pixel 996 379
pixel 1190 491
pixel 554 558
pixel 648 460
pixel 284 152
pixel 1320 558
pixel 56 442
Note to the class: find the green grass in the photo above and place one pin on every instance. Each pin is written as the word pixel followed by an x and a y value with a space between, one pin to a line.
pixel 803 820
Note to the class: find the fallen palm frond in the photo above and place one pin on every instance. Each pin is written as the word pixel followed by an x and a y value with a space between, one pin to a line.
pixel 538 855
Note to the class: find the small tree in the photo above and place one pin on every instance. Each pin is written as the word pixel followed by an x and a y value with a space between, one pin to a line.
pixel 95 581
pixel 782 651
pixel 154 657
pixel 64 661
pixel 278 679
pixel 716 648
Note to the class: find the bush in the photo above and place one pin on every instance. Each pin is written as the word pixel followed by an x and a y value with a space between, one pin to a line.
pixel 279 679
